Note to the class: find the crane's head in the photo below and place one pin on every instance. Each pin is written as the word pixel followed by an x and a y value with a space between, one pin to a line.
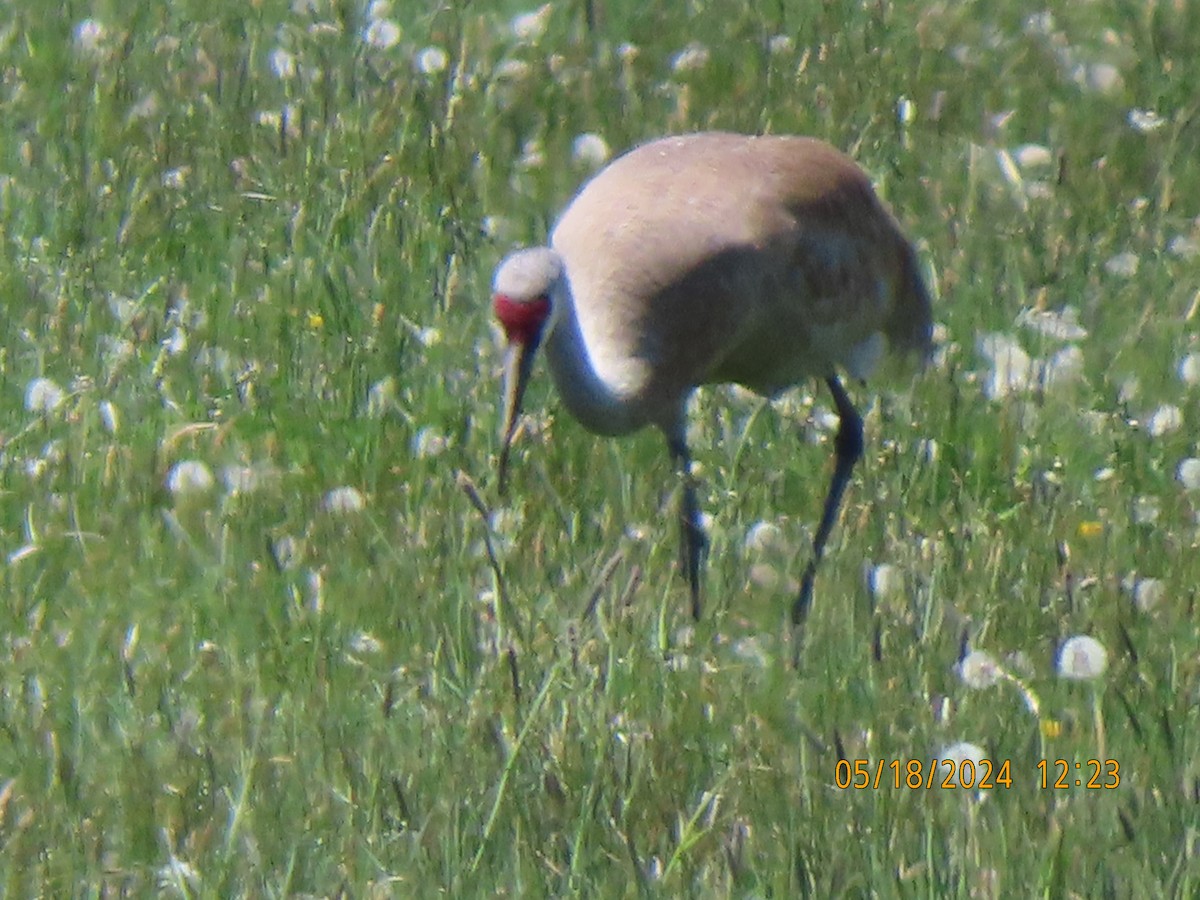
pixel 522 290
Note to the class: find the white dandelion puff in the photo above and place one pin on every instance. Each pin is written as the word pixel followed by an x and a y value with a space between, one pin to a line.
pixel 1063 367
pixel 512 70
pixel 1188 473
pixel 1062 325
pixel 529 27
pixel 1145 120
pixel 963 751
pixel 1189 369
pixel 885 580
pixel 283 63
pixel 1123 264
pixel 1103 77
pixel 429 442
pixel 363 642
pixel 109 417
pixel 344 500
pixel 1148 593
pixel 1033 156
pixel 239 479
pixel 431 61
pixel 691 58
pixel 382 34
pixel 781 44
pixel 763 536
pixel 1082 658
pixel 381 397
pixel 189 477
pixel 90 37
pixel 1145 510
pixel 176 179
pixel 1011 369
pixel 1164 420
pixel 979 670
pixel 43 395
pixel 590 150
pixel 1184 247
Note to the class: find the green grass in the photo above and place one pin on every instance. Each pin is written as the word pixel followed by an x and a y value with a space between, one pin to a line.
pixel 252 694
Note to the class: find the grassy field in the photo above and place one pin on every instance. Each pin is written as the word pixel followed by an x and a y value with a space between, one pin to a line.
pixel 251 642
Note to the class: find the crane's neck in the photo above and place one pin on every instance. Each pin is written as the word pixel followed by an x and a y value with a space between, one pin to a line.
pixel 596 401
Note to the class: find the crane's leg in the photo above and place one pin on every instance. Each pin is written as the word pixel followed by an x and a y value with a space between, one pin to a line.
pixel 693 544
pixel 848 445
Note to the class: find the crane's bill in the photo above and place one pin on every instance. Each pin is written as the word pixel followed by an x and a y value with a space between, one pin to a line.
pixel 518 363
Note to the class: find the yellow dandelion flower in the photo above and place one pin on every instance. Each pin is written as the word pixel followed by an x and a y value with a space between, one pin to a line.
pixel 316 321
pixel 1091 529
pixel 1051 728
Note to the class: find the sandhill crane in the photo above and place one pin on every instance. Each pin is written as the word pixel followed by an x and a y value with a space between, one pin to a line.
pixel 710 258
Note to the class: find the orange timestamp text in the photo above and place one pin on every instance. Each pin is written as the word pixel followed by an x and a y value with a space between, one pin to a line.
pixel 968 774
pixel 922 774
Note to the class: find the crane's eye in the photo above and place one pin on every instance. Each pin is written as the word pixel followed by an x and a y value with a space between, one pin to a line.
pixel 522 320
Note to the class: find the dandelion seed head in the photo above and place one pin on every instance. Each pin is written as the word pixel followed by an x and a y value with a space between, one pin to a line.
pixel 1062 325
pixel 1164 420
pixel 750 650
pixel 1082 658
pixel 780 44
pixel 1124 264
pixel 1148 593
pixel 43 395
pixel 1033 156
pixel 1189 369
pixel 1103 77
pixel 189 477
pixel 528 27
pixel 1064 367
pixel 345 500
pixel 513 70
pixel 691 58
pixel 884 581
pixel 431 60
pixel 979 670
pixel 590 150
pixel 176 179
pixel 1145 120
pixel 1145 510
pixel 90 37
pixel 146 107
pixel 763 536
pixel 240 479
pixel 429 442
pixel 1188 473
pixel 283 63
pixel 1129 389
pixel 363 643
pixel 963 751
pixel 1010 368
pixel 1184 246
pixel 765 576
pixel 109 417
pixel 382 34
pixel 381 397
